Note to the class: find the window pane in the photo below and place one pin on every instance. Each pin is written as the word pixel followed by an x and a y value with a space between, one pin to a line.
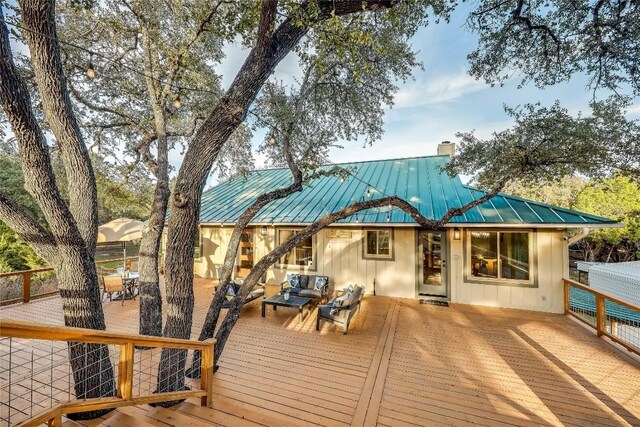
pixel 372 243
pixel 383 242
pixel 301 254
pixel 514 255
pixel 304 252
pixel 484 250
pixel 283 236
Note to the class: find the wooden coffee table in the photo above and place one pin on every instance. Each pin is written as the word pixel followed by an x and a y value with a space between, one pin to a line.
pixel 293 301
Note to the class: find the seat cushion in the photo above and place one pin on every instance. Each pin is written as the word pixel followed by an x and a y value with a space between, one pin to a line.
pixel 328 312
pixel 304 281
pixel 310 293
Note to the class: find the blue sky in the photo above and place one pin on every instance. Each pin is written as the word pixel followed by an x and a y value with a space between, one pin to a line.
pixel 442 99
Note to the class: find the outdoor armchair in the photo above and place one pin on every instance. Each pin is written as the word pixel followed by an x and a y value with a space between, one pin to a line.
pixel 340 309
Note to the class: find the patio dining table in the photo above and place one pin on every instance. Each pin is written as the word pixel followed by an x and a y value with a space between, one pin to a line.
pixel 129 280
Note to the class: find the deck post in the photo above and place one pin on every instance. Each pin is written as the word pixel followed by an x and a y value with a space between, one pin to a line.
pixel 206 375
pixel 601 318
pixel 26 286
pixel 566 297
pixel 125 371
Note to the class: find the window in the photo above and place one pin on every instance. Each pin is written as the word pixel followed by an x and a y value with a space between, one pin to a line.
pixel 500 255
pixel 197 251
pixel 378 244
pixel 302 255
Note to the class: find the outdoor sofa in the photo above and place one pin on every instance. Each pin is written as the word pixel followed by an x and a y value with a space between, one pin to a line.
pixel 340 309
pixel 316 287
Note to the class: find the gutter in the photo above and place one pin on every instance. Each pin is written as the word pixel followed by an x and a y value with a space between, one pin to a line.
pixel 585 231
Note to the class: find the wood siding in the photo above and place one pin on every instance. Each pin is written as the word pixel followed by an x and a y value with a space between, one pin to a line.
pixel 341 258
pixel 551 259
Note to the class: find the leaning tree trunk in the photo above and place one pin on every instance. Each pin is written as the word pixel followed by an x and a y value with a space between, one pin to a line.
pixel 271 47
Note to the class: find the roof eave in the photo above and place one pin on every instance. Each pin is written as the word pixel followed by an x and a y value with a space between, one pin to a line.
pixel 414 225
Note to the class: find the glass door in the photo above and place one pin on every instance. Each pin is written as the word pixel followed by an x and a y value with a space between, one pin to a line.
pixel 245 255
pixel 432 280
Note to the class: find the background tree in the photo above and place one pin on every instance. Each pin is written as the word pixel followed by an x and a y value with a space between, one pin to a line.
pixel 617 197
pixel 546 143
pixel 156 81
pixel 15 254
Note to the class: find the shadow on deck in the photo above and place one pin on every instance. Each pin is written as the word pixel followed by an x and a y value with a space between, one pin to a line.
pixel 401 364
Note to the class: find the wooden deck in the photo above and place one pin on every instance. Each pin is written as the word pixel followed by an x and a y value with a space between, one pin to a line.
pixel 402 363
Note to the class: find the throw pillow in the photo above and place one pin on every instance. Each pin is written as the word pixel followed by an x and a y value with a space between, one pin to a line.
pixel 320 283
pixel 339 302
pixel 294 281
pixel 231 293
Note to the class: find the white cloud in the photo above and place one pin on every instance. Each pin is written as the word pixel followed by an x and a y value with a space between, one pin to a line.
pixel 437 90
pixel 634 110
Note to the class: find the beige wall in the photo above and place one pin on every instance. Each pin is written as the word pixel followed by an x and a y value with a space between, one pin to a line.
pixel 341 259
pixel 552 261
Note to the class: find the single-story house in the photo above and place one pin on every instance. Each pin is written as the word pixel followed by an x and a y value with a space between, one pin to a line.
pixel 507 252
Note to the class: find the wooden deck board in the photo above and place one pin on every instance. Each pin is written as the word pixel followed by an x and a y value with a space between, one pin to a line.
pixel 402 363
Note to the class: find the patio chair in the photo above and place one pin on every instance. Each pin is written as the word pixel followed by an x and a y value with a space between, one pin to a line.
pixel 115 284
pixel 340 309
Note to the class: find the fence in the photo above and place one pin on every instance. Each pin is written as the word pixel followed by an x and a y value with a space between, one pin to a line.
pixel 609 316
pixel 23 286
pixel 41 379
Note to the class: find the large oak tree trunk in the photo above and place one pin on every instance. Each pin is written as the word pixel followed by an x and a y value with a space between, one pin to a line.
pixel 81 301
pixel 70 242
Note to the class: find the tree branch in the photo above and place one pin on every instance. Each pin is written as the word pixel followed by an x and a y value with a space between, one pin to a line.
pixel 27 228
pixel 517 16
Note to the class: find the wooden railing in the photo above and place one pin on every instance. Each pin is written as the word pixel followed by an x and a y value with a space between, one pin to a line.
pixel 125 367
pixel 611 317
pixel 26 281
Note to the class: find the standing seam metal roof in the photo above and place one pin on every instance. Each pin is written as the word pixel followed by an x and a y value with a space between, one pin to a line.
pixel 419 180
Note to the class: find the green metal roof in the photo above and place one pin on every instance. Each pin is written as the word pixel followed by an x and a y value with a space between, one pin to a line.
pixel 417 180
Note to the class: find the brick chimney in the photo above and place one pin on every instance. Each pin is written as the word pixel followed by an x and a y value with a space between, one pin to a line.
pixel 447 148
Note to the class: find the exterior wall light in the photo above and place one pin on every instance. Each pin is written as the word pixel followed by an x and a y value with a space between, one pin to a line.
pixel 263 230
pixel 456 233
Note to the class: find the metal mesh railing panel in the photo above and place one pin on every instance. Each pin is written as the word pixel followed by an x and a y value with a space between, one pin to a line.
pixel 583 305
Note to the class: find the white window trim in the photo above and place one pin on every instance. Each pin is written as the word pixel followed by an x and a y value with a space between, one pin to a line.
pixel 314 246
pixel 383 257
pixel 533 260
